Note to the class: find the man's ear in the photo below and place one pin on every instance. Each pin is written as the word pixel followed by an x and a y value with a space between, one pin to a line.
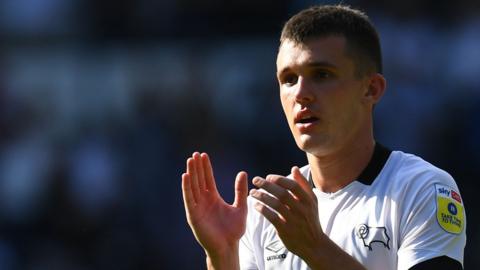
pixel 376 86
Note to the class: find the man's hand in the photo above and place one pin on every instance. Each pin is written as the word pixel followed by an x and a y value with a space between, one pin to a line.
pixel 292 207
pixel 296 217
pixel 217 226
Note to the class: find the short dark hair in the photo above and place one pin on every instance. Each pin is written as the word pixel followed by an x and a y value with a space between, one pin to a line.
pixel 362 41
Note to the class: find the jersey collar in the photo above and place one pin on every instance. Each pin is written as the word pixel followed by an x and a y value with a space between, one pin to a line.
pixel 374 166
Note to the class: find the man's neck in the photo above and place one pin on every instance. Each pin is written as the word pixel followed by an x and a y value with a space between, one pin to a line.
pixel 333 172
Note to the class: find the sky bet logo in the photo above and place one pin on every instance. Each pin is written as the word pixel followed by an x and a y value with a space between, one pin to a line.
pixel 450 193
pixel 456 196
pixel 444 191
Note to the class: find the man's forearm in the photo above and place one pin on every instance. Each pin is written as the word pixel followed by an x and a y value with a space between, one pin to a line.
pixel 330 256
pixel 224 260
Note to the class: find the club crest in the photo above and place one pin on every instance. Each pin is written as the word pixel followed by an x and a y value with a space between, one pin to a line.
pixel 370 235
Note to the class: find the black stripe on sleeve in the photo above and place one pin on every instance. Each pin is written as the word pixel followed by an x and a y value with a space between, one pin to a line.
pixel 438 263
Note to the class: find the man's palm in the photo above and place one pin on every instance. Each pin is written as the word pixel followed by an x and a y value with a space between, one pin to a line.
pixel 216 225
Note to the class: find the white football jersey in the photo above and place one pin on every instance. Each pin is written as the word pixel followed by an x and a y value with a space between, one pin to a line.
pixel 399 212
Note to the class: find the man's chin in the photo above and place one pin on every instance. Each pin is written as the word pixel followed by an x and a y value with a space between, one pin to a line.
pixel 308 143
pixel 313 145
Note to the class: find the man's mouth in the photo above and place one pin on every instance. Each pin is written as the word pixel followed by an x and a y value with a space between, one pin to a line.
pixel 307 120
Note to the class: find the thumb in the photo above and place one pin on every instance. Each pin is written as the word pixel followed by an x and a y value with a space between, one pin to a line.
pixel 301 180
pixel 241 190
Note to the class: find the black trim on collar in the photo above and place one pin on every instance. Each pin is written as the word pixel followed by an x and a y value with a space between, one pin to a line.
pixel 374 166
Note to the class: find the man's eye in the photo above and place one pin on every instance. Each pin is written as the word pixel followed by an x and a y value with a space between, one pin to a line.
pixel 290 79
pixel 321 75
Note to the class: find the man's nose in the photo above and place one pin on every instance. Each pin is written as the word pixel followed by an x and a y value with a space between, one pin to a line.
pixel 303 91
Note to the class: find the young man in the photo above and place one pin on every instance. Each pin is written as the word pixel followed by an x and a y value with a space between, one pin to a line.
pixel 369 208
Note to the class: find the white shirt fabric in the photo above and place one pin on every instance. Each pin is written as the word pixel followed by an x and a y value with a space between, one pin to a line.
pixel 402 217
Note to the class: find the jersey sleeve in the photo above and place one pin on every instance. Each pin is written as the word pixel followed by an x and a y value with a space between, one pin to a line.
pixel 433 223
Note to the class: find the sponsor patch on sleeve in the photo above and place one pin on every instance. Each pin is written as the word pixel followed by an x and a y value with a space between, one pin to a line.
pixel 450 213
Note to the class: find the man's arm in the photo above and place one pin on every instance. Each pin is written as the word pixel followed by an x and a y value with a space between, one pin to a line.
pixel 295 218
pixel 217 226
pixel 427 238
pixel 228 259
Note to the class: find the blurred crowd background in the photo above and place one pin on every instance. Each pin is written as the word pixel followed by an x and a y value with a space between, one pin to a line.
pixel 102 101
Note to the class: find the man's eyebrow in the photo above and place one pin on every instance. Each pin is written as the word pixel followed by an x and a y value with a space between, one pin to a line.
pixel 321 64
pixel 316 64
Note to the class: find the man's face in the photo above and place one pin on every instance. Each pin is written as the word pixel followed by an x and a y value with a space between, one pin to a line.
pixel 321 97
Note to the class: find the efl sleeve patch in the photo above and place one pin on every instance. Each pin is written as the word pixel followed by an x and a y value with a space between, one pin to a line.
pixel 450 213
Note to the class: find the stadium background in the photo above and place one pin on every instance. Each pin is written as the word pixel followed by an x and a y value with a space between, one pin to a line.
pixel 102 101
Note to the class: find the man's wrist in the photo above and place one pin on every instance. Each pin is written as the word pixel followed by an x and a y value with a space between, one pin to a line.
pixel 315 255
pixel 223 259
pixel 328 255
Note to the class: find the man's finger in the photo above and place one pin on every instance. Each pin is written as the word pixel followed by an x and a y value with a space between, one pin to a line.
pixel 291 185
pixel 302 181
pixel 208 171
pixel 192 173
pixel 271 202
pixel 241 190
pixel 280 192
pixel 188 199
pixel 200 171
pixel 270 215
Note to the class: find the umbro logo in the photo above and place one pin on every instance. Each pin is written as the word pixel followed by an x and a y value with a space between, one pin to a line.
pixel 277 257
pixel 276 247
